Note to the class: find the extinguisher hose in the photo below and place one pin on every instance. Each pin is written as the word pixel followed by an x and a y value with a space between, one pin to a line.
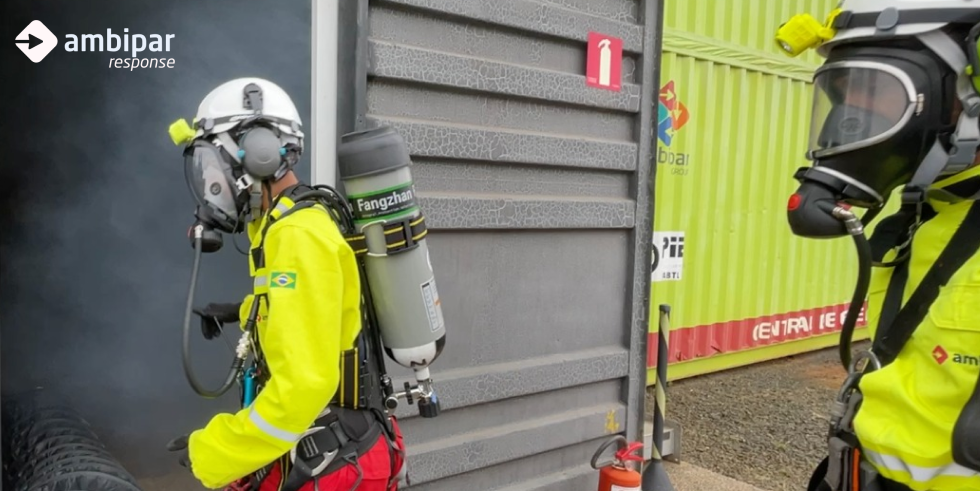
pixel 602 448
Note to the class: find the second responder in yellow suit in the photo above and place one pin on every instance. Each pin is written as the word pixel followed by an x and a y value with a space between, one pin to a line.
pixel 911 406
pixel 239 158
pixel 896 113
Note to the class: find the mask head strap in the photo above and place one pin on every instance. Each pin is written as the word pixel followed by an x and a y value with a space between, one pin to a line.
pixel 965 139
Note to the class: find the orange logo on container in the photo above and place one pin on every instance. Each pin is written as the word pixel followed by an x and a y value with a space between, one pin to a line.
pixel 672 114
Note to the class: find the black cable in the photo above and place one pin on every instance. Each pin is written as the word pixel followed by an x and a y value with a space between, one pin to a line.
pixel 234 237
pixel 857 301
pixel 236 364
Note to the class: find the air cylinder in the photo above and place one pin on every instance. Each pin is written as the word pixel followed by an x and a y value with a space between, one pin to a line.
pixel 375 170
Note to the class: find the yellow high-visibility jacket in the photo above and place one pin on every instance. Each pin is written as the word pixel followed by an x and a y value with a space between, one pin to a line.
pixel 313 314
pixel 910 407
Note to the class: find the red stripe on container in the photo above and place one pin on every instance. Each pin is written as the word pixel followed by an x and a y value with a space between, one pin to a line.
pixel 737 335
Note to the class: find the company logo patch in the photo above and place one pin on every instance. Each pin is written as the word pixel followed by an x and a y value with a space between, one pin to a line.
pixel 672 114
pixel 961 359
pixel 385 203
pixel 283 280
pixel 36 41
pixel 942 356
pixel 668 256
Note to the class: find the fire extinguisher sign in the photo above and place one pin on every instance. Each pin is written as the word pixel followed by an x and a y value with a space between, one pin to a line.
pixel 603 67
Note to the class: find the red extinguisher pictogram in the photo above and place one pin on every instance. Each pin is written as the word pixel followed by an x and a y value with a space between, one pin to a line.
pixel 617 475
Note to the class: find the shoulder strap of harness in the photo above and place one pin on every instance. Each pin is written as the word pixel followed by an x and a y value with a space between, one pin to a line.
pixel 282 207
pixel 895 231
pixel 897 323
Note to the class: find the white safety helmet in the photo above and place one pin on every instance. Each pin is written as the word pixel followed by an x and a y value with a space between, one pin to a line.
pixel 868 19
pixel 228 105
pixel 247 133
pixel 910 62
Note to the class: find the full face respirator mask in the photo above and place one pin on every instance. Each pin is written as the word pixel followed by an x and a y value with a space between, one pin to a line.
pixel 879 116
pixel 224 172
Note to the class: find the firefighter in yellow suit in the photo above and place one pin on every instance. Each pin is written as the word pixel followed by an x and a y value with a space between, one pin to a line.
pixel 306 280
pixel 911 406
pixel 896 106
pixel 312 280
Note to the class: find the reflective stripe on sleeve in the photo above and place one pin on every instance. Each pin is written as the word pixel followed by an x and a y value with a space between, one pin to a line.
pixel 919 474
pixel 260 283
pixel 271 430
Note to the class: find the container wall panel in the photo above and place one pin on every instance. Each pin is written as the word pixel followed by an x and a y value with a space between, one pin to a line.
pixel 733 124
pixel 529 180
pixel 749 24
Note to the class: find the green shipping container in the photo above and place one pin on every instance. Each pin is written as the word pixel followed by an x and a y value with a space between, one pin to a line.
pixel 733 128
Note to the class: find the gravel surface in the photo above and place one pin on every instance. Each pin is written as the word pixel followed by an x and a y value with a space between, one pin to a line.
pixel 765 425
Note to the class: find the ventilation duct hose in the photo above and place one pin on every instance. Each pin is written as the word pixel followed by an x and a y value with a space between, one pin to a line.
pixel 55 449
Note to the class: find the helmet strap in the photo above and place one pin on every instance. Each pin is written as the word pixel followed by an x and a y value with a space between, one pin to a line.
pixel 964 140
pixel 244 181
pixel 230 146
pixel 255 201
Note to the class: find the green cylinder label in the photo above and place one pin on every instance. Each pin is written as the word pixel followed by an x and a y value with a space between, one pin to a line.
pixel 384 203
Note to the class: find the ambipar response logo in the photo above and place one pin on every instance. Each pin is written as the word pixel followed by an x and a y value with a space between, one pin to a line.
pixel 37 42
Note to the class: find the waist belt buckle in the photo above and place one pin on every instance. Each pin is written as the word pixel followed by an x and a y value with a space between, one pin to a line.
pixel 310 447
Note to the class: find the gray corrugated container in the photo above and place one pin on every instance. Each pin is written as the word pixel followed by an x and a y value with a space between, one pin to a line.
pixel 530 180
pixel 535 188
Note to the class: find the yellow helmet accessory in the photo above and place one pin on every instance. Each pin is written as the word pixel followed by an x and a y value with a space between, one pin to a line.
pixel 181 133
pixel 802 32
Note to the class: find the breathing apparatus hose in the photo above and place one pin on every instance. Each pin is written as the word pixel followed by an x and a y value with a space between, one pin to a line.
pixel 857 301
pixel 238 362
pixel 855 228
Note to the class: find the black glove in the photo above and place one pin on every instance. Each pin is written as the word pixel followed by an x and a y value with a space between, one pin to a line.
pixel 215 315
pixel 179 445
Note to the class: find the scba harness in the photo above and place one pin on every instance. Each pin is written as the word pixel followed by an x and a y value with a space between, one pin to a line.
pixel 846 468
pixel 356 417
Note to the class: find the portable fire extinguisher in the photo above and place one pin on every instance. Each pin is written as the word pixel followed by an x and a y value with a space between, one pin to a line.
pixel 617 475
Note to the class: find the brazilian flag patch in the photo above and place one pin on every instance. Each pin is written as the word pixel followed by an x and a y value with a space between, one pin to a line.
pixel 282 279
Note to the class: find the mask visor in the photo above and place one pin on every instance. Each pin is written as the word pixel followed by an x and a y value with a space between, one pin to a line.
pixel 858 104
pixel 209 179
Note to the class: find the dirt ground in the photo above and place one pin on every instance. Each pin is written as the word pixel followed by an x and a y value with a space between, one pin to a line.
pixel 765 425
